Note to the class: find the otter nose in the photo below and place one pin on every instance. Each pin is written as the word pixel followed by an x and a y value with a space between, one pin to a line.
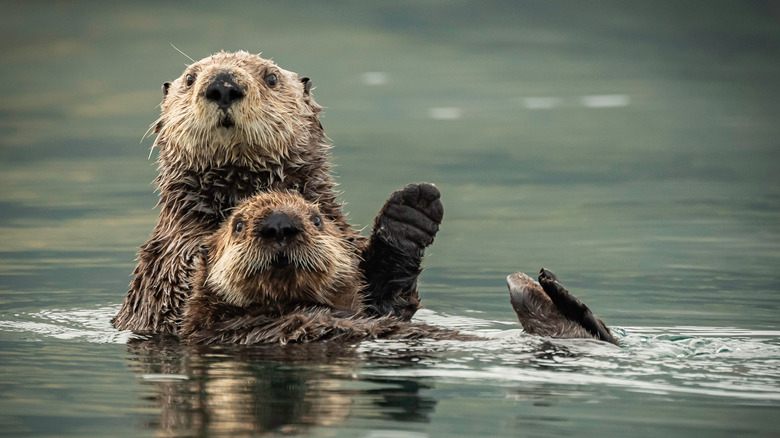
pixel 278 227
pixel 224 91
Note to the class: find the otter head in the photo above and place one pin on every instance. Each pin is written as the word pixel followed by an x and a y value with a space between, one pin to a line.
pixel 236 108
pixel 279 251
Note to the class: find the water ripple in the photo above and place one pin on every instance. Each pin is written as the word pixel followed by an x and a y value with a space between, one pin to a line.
pixel 88 325
pixel 714 361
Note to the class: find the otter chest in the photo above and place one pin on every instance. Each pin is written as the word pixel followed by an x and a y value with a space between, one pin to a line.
pixel 214 192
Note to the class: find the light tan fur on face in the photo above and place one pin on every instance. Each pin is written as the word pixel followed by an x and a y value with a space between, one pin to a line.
pixel 209 164
pixel 322 269
pixel 269 122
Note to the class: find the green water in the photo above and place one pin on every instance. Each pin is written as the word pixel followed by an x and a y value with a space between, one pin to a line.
pixel 631 147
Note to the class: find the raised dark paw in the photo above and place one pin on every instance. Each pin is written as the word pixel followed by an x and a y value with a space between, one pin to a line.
pixel 411 217
pixel 406 225
pixel 573 308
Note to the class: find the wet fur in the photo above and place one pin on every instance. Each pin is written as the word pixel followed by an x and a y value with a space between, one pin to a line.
pixel 256 326
pixel 242 296
pixel 545 308
pixel 321 266
pixel 276 142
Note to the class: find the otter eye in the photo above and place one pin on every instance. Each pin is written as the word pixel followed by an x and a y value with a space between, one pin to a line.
pixel 317 221
pixel 238 227
pixel 190 80
pixel 271 80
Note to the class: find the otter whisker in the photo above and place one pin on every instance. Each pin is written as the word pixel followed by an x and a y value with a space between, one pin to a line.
pixel 275 142
pixel 151 128
pixel 185 55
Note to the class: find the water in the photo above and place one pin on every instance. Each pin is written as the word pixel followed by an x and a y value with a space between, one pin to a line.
pixel 632 148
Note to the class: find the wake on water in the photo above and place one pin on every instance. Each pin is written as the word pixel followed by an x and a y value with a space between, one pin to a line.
pixel 716 361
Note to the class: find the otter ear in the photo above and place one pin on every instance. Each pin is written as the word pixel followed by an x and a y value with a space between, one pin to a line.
pixel 165 88
pixel 306 85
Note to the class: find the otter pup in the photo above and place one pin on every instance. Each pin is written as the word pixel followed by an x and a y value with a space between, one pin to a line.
pixel 280 270
pixel 545 308
pixel 234 125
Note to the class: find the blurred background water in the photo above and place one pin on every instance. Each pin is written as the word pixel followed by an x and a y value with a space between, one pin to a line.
pixel 630 147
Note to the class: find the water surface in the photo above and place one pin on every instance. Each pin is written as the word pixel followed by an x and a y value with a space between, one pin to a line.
pixel 632 148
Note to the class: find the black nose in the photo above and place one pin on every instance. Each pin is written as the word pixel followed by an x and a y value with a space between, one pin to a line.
pixel 224 91
pixel 279 226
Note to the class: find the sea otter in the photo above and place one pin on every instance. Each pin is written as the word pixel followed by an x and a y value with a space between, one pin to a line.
pixel 279 270
pixel 546 308
pixel 234 125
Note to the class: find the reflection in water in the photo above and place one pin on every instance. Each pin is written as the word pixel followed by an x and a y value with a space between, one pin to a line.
pixel 306 389
pixel 400 399
pixel 263 389
pixel 633 148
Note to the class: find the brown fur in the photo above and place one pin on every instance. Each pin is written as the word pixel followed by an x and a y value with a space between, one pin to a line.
pixel 210 160
pixel 243 295
pixel 320 267
pixel 537 313
pixel 540 316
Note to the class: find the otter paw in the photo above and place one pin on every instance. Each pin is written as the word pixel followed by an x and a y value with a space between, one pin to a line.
pixel 567 303
pixel 573 308
pixel 411 217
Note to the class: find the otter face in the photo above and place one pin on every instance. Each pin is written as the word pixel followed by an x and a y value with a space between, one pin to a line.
pixel 236 108
pixel 277 249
